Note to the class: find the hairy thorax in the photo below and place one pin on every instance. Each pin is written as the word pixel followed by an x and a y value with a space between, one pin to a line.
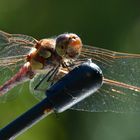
pixel 43 51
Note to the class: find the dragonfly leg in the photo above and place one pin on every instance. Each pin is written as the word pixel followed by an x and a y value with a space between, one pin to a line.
pixel 48 77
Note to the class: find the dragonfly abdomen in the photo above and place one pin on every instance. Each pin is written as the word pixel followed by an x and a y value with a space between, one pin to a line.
pixel 23 75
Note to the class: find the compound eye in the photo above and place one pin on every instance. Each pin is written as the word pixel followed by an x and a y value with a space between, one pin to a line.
pixel 61 44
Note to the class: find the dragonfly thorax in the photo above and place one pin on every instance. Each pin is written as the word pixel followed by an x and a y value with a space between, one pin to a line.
pixel 43 50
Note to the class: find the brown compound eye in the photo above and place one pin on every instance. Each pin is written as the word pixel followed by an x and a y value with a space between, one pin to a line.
pixel 61 44
pixel 68 45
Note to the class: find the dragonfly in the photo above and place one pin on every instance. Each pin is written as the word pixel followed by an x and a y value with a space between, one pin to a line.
pixel 43 62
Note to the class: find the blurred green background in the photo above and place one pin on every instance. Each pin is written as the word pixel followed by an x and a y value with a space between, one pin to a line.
pixel 111 24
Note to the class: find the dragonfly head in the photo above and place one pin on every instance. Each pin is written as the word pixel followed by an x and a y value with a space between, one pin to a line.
pixel 68 45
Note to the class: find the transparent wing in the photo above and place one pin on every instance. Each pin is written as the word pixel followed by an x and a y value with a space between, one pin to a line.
pixel 122 68
pixel 42 82
pixel 13 51
pixel 15 44
pixel 39 93
pixel 111 99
